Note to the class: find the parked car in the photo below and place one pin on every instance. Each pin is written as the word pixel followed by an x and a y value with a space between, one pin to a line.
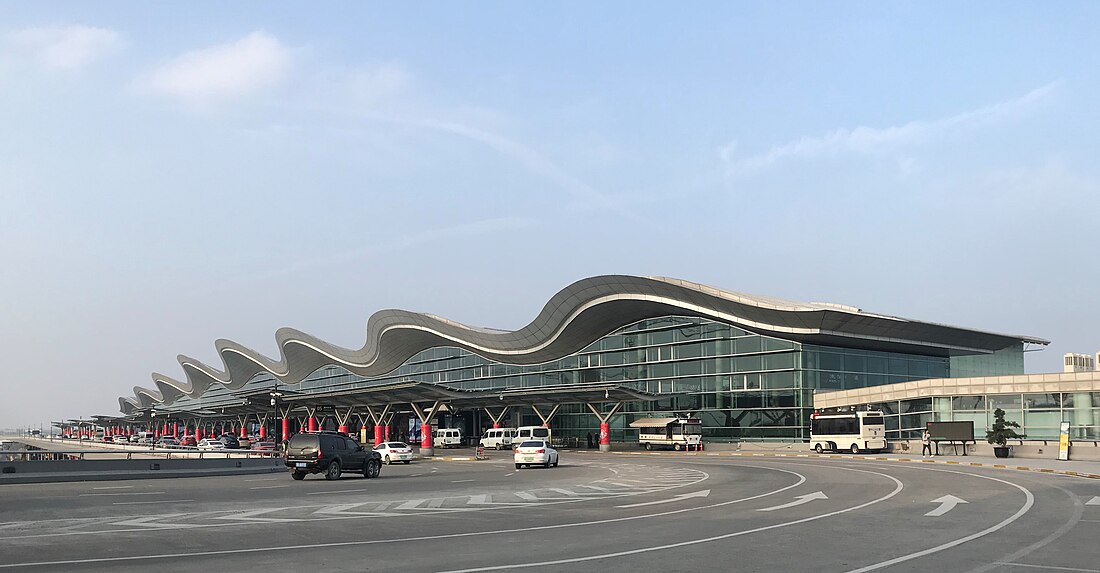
pixel 531 452
pixel 498 438
pixel 168 442
pixel 331 453
pixel 244 443
pixel 264 446
pixel 447 438
pixel 394 452
pixel 188 442
pixel 230 441
pixel 120 440
pixel 211 444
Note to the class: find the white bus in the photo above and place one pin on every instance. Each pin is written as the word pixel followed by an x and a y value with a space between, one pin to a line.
pixel 499 438
pixel 677 433
pixel 851 431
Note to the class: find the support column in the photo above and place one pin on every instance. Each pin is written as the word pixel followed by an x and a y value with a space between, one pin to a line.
pixel 546 418
pixel 379 418
pixel 498 417
pixel 343 419
pixel 605 426
pixel 388 425
pixel 285 412
pixel 312 420
pixel 426 417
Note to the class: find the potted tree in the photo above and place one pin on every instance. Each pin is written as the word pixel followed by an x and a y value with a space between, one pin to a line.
pixel 1001 433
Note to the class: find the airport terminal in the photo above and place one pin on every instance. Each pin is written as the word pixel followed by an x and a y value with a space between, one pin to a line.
pixel 608 350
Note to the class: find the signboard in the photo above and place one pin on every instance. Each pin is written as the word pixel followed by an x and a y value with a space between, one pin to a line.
pixel 951 431
pixel 1063 441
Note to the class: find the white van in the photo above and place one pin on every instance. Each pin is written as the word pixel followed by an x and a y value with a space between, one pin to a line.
pixel 447 438
pixel 498 438
pixel 530 433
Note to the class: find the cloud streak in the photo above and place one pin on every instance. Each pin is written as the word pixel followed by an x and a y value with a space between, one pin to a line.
pixel 865 140
pixel 64 47
pixel 225 72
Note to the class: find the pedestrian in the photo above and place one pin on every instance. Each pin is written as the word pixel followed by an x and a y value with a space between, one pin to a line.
pixel 925 444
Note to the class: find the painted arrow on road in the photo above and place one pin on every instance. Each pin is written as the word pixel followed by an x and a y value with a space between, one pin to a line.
pixel 947 503
pixel 680 497
pixel 799 500
pixel 1094 501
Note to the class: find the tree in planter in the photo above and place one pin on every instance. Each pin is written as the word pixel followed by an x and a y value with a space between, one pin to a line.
pixel 1002 431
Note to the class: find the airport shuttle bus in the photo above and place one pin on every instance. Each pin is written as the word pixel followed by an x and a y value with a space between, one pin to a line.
pixel 676 433
pixel 854 432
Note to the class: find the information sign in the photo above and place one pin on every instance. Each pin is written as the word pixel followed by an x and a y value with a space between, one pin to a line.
pixel 1063 441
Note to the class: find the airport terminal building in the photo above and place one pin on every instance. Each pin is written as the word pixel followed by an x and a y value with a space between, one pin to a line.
pixel 605 349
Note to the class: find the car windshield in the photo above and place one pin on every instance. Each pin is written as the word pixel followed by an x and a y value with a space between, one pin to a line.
pixel 533 444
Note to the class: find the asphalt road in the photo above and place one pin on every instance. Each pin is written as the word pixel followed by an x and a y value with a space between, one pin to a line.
pixel 613 513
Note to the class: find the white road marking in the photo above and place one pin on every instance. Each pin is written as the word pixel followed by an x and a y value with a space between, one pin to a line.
pixel 268 486
pixel 124 493
pixel 1094 501
pixel 337 491
pixel 254 516
pixel 411 504
pixel 462 480
pixel 115 487
pixel 799 500
pixel 525 495
pixel 947 503
pixel 1029 501
pixel 144 521
pixel 416 475
pixel 262 479
pixel 681 497
pixel 510 474
pixel 1049 567
pixel 150 502
pixel 801 480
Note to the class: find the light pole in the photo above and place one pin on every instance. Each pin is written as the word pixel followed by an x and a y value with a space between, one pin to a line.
pixel 275 394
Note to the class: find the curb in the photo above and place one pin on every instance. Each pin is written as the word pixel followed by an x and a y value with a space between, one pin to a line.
pixel 873 458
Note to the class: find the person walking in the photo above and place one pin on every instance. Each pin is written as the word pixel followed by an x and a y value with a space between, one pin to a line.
pixel 925 444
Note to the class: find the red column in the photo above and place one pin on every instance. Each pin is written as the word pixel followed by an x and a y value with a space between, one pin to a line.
pixel 243 433
pixel 605 434
pixel 496 425
pixel 312 424
pixel 377 434
pixel 198 433
pixel 286 429
pixel 386 428
pixel 175 429
pixel 426 435
pixel 263 431
pixel 343 428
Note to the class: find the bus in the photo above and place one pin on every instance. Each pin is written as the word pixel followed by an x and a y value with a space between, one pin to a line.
pixel 851 431
pixel 676 433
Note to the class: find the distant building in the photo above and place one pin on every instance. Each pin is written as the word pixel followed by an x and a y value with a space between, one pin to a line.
pixel 1080 362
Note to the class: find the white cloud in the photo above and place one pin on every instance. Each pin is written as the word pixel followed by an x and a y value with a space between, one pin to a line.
pixel 871 140
pixel 228 71
pixel 64 47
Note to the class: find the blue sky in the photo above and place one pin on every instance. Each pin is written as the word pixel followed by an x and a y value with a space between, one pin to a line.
pixel 175 174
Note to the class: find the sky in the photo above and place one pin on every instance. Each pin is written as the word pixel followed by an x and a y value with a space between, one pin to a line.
pixel 173 174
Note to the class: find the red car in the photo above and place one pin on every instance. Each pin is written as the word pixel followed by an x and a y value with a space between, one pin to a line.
pixel 188 442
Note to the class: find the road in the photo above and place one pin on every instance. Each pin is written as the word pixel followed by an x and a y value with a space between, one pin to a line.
pixel 609 512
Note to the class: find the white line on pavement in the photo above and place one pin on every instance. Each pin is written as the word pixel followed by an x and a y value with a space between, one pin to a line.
pixel 115 487
pixel 268 486
pixel 156 501
pixel 461 480
pixel 337 491
pixel 124 493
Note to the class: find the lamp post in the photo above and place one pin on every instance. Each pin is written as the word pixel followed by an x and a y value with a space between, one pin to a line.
pixel 275 394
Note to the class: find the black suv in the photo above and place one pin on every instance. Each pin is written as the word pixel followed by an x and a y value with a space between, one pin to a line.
pixel 329 452
pixel 231 442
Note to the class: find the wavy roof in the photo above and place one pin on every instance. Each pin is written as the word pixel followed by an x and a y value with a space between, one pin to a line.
pixel 576 316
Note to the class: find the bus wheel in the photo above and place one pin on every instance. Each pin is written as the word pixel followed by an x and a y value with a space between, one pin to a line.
pixel 649 447
pixel 855 449
pixel 676 447
pixel 819 449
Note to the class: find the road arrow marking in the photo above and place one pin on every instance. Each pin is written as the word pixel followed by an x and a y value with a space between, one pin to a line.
pixel 799 500
pixel 1094 501
pixel 683 496
pixel 947 503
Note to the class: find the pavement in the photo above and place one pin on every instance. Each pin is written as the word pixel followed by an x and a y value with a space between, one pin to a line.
pixel 621 512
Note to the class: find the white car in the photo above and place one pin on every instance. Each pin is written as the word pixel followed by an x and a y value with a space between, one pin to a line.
pixel 211 444
pixel 531 452
pixel 120 439
pixel 394 452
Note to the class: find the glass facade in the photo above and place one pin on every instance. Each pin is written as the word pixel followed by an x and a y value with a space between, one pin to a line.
pixel 743 386
pixel 1039 415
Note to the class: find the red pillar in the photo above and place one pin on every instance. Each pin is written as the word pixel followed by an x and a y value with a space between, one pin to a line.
pixel 605 435
pixel 312 424
pixel 386 428
pixel 286 429
pixel 343 428
pixel 263 431
pixel 175 429
pixel 426 436
pixel 198 433
pixel 377 434
pixel 243 433
pixel 496 425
